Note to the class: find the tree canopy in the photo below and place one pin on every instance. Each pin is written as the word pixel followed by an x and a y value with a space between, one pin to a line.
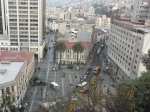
pixel 146 60
pixel 132 95
pixel 60 47
pixel 78 48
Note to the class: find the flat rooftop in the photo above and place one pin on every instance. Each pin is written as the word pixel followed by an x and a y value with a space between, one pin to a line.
pixel 129 22
pixel 8 72
pixel 3 37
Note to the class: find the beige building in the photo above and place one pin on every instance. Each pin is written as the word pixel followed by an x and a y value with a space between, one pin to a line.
pixel 70 57
pixel 16 69
pixel 102 21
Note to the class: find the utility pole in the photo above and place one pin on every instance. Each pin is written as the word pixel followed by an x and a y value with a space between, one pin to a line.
pixel 41 92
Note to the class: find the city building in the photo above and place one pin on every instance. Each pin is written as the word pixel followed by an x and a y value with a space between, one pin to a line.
pixel 70 57
pixel 102 21
pixel 98 35
pixel 16 69
pixel 141 11
pixel 128 41
pixel 23 23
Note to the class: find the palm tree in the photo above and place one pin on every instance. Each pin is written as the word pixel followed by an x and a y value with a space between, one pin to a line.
pixel 60 47
pixel 78 48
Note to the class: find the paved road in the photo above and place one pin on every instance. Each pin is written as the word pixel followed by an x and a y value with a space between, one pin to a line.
pixel 45 93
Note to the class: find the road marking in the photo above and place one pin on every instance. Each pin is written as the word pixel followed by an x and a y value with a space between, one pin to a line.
pixel 63 86
pixel 54 76
pixel 46 84
pixel 70 79
pixel 77 76
pixel 33 100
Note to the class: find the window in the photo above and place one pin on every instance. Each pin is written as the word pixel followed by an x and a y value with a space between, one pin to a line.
pixel 68 50
pixel 134 67
pixel 137 50
pixel 67 56
pixel 7 89
pixel 12 88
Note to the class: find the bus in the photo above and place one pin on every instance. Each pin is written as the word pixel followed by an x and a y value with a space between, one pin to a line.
pixel 98 51
pixel 54 85
pixel 93 80
pixel 82 87
pixel 96 70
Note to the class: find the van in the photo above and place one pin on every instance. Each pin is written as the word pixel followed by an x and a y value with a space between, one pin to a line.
pixel 54 86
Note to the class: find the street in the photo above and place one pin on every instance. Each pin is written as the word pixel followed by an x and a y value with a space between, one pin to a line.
pixel 45 93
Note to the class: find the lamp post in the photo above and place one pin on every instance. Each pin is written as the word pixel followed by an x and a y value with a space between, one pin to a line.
pixel 41 92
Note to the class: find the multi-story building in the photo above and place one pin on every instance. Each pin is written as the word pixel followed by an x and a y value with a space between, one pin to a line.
pixel 98 35
pixel 16 69
pixel 127 43
pixel 70 57
pixel 23 21
pixel 102 21
pixel 141 11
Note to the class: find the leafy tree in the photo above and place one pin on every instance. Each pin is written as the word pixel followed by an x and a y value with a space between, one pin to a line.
pixel 132 95
pixel 146 60
pixel 78 48
pixel 123 101
pixel 60 47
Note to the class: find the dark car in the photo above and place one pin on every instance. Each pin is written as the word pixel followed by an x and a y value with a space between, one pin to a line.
pixel 63 74
pixel 88 71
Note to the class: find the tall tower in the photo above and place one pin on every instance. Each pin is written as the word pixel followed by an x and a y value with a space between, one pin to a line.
pixel 25 24
pixel 140 11
pixel 1 24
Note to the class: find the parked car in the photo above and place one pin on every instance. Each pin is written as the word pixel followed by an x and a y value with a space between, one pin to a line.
pixel 85 77
pixel 63 74
pixel 88 71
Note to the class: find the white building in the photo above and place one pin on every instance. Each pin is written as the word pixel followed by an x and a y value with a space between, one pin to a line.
pixel 91 11
pixel 102 21
pixel 127 43
pixel 23 23
pixel 141 11
pixel 16 69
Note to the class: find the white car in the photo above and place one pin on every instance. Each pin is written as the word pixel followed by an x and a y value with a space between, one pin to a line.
pixel 85 76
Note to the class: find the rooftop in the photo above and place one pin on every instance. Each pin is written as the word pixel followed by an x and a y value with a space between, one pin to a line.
pixel 69 45
pixel 90 22
pixel 126 21
pixel 81 36
pixel 3 37
pixel 18 56
pixel 8 72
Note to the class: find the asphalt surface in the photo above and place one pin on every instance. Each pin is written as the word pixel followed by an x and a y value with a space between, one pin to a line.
pixel 45 93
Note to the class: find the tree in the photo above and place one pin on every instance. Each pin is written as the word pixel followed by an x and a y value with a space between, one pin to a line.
pixel 123 101
pixel 78 48
pixel 146 60
pixel 60 47
pixel 132 95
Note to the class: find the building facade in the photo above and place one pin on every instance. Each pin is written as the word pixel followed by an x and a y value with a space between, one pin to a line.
pixel 127 43
pixel 16 69
pixel 141 11
pixel 70 57
pixel 24 22
pixel 102 21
